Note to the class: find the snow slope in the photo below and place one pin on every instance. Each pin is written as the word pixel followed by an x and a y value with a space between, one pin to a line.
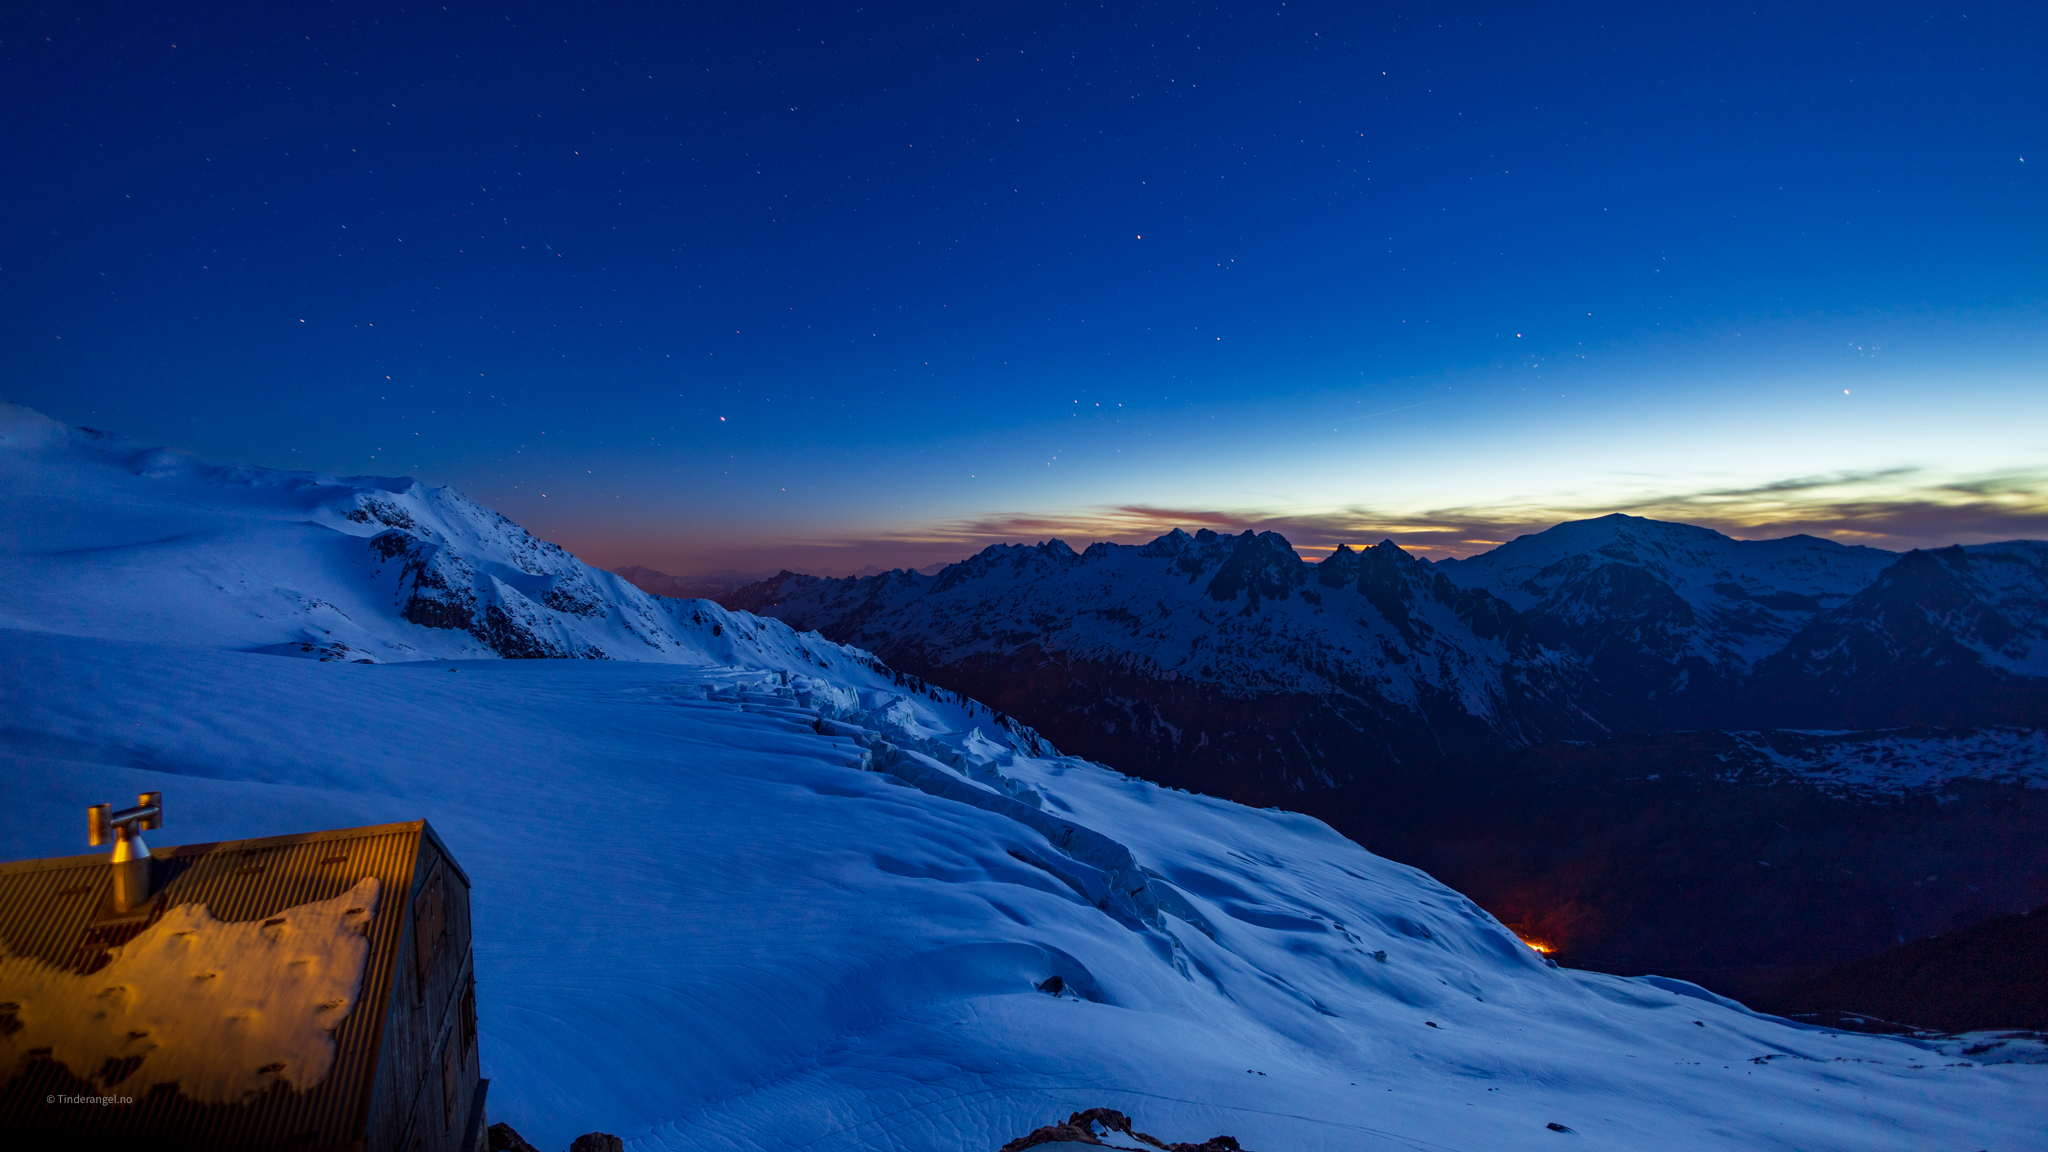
pixel 781 949
pixel 722 904
pixel 104 537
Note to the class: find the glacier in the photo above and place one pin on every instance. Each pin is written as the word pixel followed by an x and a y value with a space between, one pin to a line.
pixel 738 887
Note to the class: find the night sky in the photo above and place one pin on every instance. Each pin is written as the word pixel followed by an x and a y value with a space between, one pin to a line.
pixel 747 285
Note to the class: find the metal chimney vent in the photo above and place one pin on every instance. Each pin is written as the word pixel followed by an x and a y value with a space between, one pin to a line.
pixel 131 855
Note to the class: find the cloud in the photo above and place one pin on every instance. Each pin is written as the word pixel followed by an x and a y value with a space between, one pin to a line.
pixel 1894 508
pixel 1897 509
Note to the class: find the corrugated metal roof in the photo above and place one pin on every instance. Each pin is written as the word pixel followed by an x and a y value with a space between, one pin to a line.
pixel 60 911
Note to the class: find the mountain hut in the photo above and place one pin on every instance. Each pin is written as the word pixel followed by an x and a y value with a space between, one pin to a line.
pixel 298 993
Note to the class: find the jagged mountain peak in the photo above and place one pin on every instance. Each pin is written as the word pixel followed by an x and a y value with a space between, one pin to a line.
pixel 1172 544
pixel 1013 561
pixel 1018 555
pixel 1617 623
pixel 1207 545
pixel 1262 566
pixel 1385 564
pixel 1225 617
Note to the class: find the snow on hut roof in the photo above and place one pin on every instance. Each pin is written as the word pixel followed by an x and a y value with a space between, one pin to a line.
pixel 303 930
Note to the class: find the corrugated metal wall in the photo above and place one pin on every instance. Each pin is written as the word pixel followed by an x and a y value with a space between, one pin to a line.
pixel 411 1110
pixel 48 910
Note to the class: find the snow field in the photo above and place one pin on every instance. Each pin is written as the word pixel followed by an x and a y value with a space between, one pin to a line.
pixel 702 923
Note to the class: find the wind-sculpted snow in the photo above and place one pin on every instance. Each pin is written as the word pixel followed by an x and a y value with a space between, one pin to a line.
pixel 741 909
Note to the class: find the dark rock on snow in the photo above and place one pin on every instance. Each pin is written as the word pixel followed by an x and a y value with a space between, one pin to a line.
pixel 502 1137
pixel 1088 1127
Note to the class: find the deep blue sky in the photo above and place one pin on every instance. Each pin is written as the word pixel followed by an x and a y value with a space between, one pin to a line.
pixel 753 284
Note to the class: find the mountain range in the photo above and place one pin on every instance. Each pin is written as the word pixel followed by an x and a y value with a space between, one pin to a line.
pixel 739 888
pixel 720 584
pixel 707 586
pixel 1229 664
pixel 1652 746
pixel 1461 717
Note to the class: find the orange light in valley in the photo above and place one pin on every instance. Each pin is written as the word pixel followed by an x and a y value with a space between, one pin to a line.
pixel 1538 945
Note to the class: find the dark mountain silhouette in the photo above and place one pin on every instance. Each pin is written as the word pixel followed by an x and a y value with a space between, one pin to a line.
pixel 1979 979
pixel 1738 860
pixel 716 586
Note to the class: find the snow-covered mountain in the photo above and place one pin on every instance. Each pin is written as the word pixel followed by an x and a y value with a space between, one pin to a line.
pixel 1953 636
pixel 1658 609
pixel 774 895
pixel 1229 664
pixel 716 586
pixel 1681 626
pixel 108 538
pixel 1495 719
pixel 1218 662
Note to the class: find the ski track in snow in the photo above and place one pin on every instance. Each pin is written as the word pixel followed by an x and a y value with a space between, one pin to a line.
pixel 760 895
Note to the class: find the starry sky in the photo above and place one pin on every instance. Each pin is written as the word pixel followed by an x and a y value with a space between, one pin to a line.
pixel 742 286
